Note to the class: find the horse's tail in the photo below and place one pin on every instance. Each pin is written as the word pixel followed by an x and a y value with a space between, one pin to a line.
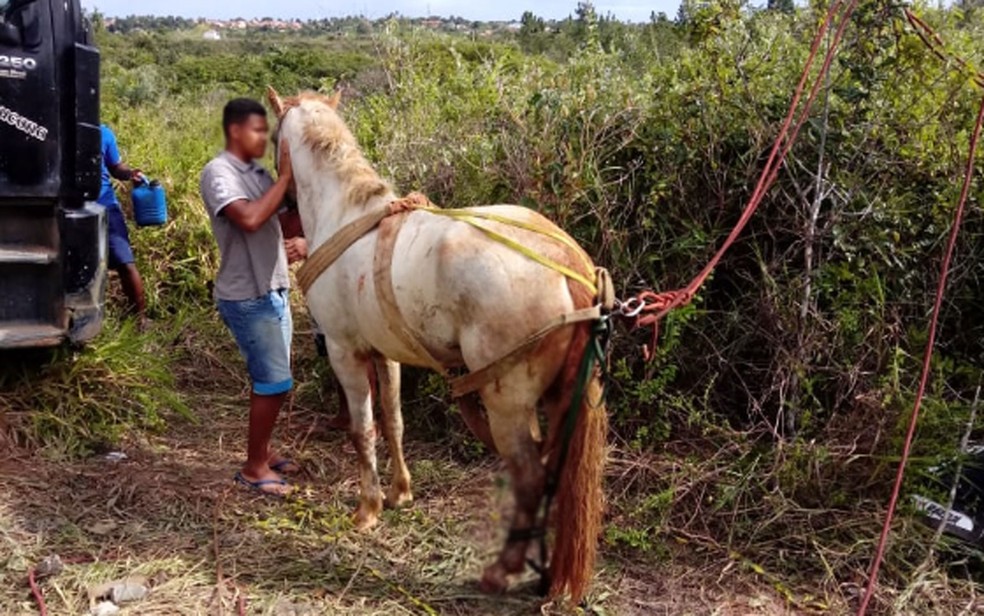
pixel 579 497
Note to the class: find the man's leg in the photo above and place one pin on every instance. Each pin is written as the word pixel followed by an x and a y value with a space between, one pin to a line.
pixel 263 329
pixel 263 412
pixel 133 288
pixel 122 260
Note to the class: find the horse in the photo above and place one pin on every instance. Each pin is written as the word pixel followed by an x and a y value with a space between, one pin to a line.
pixel 465 301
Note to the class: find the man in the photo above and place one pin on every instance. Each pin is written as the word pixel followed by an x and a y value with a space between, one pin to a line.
pixel 121 257
pixel 251 288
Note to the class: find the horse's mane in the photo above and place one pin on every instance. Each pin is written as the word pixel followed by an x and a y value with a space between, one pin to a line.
pixel 325 132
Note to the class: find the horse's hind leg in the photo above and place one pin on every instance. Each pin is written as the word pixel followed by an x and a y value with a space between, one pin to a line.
pixel 388 373
pixel 509 421
pixel 352 372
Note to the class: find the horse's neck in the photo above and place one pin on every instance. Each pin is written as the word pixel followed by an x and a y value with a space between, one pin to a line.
pixel 324 209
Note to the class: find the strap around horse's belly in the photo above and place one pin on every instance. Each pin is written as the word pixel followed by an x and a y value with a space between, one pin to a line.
pixel 329 252
pixel 473 381
pixel 389 229
pixel 382 274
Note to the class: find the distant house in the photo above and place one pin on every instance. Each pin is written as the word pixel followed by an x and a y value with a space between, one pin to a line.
pixel 212 35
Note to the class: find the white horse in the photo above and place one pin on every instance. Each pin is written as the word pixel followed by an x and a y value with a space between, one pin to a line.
pixel 466 301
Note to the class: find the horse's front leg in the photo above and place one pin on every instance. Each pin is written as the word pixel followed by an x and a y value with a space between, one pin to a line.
pixel 352 372
pixel 388 373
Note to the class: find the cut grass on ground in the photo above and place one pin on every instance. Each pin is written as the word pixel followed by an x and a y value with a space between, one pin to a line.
pixel 170 512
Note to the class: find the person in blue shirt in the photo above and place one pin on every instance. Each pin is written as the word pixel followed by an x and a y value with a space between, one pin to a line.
pixel 121 257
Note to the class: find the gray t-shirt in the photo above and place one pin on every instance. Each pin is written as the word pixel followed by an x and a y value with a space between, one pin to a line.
pixel 253 264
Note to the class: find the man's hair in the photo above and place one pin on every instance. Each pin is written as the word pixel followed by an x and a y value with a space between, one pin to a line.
pixel 238 110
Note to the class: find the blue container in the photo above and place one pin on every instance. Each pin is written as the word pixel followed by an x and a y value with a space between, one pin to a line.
pixel 149 204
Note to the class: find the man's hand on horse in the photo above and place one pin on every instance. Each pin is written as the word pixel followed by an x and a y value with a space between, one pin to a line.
pixel 296 249
pixel 284 167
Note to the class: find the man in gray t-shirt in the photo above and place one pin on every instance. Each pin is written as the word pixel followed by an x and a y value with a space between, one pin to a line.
pixel 251 288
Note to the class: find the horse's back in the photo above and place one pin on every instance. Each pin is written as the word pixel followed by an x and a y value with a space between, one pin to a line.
pixel 466 290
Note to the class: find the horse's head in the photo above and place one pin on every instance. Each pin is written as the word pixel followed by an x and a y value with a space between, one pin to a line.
pixel 312 120
pixel 324 106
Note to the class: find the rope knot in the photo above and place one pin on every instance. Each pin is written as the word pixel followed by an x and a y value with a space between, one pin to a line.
pixel 413 201
pixel 648 308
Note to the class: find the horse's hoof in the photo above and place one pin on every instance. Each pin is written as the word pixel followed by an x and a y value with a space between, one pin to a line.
pixel 363 521
pixel 494 580
pixel 397 501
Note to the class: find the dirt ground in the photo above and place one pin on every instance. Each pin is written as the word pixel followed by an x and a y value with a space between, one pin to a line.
pixel 170 512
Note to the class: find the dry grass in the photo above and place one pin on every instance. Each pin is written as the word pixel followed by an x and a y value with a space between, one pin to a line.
pixel 171 513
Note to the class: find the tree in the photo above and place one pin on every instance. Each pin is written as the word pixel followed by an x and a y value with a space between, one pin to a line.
pixel 587 25
pixel 531 25
pixel 98 20
pixel 782 6
pixel 532 33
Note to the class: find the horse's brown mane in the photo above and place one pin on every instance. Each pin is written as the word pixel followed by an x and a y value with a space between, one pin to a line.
pixel 325 132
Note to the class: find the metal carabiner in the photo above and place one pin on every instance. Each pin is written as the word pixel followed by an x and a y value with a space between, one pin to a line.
pixel 632 307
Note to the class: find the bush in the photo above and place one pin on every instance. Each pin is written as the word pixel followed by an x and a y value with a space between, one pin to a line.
pixel 644 142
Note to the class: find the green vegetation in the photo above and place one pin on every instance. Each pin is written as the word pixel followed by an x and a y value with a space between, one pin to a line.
pixel 776 403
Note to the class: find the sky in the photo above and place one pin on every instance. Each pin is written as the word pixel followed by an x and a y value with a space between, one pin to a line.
pixel 504 10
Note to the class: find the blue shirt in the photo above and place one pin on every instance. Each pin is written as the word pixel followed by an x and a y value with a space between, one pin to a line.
pixel 110 158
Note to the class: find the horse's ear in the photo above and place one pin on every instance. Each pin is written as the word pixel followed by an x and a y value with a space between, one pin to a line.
pixel 335 99
pixel 276 102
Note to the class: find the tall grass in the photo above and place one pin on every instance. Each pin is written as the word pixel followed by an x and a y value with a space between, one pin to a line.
pixel 70 402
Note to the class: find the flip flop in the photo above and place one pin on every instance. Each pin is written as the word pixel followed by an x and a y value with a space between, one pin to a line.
pixel 257 486
pixel 279 467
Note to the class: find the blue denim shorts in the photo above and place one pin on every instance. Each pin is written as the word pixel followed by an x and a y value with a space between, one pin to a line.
pixel 263 328
pixel 120 251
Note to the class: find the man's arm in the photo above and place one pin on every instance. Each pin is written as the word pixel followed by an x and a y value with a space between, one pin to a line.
pixel 125 173
pixel 294 242
pixel 251 215
pixel 114 162
pixel 290 222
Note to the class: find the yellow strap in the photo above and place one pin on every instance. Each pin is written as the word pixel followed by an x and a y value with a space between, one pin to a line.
pixel 330 251
pixel 561 237
pixel 530 254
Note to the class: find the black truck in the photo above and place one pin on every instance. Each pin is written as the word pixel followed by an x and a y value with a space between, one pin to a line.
pixel 52 235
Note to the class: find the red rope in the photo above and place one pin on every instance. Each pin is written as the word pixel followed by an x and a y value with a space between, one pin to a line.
pixel 36 591
pixel 927 358
pixel 657 305
pixel 36 588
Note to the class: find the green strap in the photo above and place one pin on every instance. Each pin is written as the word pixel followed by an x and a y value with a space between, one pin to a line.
pixel 594 353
